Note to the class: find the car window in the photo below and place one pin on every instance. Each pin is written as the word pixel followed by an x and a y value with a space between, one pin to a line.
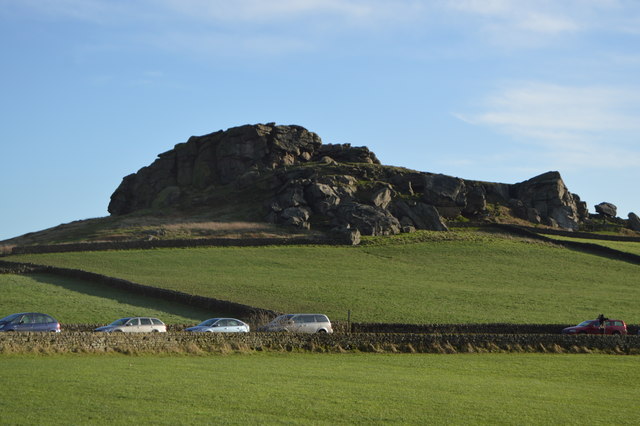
pixel 234 323
pixel 145 321
pixel 133 321
pixel 617 323
pixel 322 318
pixel 27 319
pixel 40 319
pixel 156 321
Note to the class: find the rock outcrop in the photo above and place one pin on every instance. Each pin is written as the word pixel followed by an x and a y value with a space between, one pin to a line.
pixel 292 178
pixel 607 209
pixel 224 157
pixel 545 198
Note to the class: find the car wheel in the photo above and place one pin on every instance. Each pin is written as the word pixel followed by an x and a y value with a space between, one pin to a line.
pixel 117 331
pixel 154 331
pixel 615 332
pixel 322 331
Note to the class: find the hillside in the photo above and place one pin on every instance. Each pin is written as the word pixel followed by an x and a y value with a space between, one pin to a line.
pixel 454 277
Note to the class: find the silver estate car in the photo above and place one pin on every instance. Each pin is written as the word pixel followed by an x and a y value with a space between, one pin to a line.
pixel 299 323
pixel 135 325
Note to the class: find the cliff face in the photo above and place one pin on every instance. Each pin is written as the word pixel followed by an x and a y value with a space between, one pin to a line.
pixel 294 179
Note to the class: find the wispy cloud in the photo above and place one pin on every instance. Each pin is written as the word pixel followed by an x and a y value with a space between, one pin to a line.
pixel 221 26
pixel 237 11
pixel 567 122
pixel 534 16
pixel 262 11
pixel 504 22
pixel 534 23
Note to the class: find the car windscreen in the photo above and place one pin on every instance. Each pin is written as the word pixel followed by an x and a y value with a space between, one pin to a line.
pixel 121 321
pixel 9 318
pixel 209 322
pixel 282 318
pixel 585 323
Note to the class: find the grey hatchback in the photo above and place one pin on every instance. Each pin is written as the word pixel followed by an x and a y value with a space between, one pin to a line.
pixel 29 321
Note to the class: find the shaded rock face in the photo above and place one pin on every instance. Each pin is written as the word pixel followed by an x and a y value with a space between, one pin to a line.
pixel 223 157
pixel 634 222
pixel 298 181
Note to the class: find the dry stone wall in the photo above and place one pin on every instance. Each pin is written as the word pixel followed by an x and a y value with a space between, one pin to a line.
pixel 202 343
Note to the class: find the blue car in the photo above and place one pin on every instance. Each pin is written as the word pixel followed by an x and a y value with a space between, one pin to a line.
pixel 29 321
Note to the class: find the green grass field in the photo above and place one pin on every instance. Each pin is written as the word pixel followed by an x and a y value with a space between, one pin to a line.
pixel 76 302
pixel 321 389
pixel 470 277
pixel 629 247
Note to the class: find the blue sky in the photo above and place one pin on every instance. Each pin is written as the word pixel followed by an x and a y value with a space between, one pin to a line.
pixel 495 90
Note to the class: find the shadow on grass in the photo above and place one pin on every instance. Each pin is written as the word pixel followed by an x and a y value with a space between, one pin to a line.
pixel 123 297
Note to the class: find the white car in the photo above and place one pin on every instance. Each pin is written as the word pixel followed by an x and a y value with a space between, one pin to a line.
pixel 220 325
pixel 135 325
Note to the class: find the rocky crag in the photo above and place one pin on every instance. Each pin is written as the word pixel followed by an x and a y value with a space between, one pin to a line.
pixel 290 177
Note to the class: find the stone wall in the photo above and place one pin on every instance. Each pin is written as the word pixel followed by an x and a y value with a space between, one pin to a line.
pixel 176 243
pixel 202 343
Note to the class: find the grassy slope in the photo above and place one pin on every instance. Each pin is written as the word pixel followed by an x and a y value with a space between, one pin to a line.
pixel 471 278
pixel 76 302
pixel 322 389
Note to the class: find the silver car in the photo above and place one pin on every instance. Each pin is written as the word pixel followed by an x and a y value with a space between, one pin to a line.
pixel 135 325
pixel 300 323
pixel 220 325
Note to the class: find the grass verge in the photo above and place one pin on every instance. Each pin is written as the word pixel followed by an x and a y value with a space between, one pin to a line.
pixel 321 389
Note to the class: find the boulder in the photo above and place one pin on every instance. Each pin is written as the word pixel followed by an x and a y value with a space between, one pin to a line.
pixel 382 197
pixel 607 209
pixel 634 222
pixel 322 197
pixel 422 215
pixel 551 199
pixel 296 216
pixel 476 200
pixel 368 220
pixel 444 191
pixel 347 154
pixel 292 196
